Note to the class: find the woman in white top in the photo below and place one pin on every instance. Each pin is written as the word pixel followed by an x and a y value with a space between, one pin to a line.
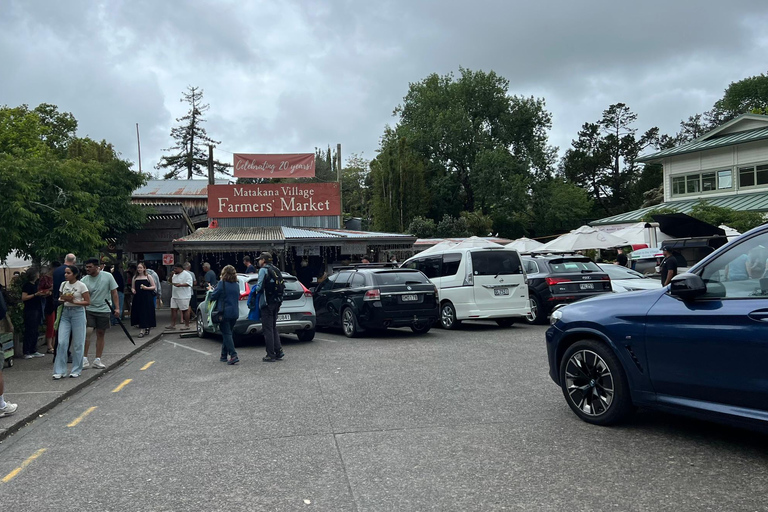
pixel 74 296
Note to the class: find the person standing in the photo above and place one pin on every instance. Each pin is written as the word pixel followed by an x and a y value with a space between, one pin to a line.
pixel 74 295
pixel 102 287
pixel 249 268
pixel 49 307
pixel 143 289
pixel 158 299
pixel 129 287
pixel 210 275
pixel 227 295
pixel 6 408
pixel 269 306
pixel 33 313
pixel 668 268
pixel 58 278
pixel 621 258
pixel 181 293
pixel 193 295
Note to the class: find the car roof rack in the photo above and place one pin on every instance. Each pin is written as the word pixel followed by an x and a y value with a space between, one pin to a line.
pixel 363 266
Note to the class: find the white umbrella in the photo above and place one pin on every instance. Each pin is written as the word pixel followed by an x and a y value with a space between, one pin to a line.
pixel 584 238
pixel 730 233
pixel 524 245
pixel 637 234
pixel 440 246
pixel 475 241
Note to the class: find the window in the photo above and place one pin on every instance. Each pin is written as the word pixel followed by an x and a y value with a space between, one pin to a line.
pixel 342 280
pixel 399 277
pixel 413 264
pixel 693 184
pixel 494 263
pixel 327 284
pixel 431 266
pixel 708 182
pixel 564 266
pixel 451 264
pixel 531 267
pixel 358 280
pixel 678 185
pixel 762 174
pixel 738 272
pixel 724 179
pixel 746 176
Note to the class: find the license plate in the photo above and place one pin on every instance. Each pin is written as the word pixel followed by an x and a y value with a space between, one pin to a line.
pixel 587 286
pixel 501 291
pixel 410 298
pixel 283 318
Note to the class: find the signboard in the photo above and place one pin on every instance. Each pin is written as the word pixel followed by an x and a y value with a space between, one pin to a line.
pixel 274 200
pixel 167 259
pixel 298 165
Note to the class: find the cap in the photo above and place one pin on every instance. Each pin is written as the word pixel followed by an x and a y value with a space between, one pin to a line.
pixel 667 248
pixel 265 256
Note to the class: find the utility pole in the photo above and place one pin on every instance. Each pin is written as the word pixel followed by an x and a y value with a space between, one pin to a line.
pixel 211 180
pixel 338 178
pixel 138 141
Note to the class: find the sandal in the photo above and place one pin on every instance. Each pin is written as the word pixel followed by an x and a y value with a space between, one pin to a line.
pixel 141 334
pixel 50 351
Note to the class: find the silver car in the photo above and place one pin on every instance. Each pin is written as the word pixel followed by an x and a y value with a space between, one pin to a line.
pixel 296 315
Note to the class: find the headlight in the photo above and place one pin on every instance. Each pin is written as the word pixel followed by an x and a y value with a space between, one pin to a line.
pixel 556 315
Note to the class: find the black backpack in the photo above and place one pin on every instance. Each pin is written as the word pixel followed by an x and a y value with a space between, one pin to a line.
pixel 274 285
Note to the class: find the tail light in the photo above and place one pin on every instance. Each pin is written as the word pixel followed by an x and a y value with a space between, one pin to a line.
pixel 557 280
pixel 307 293
pixel 374 294
pixel 437 294
pixel 246 293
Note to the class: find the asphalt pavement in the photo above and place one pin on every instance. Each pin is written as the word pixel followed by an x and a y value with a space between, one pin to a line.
pixel 452 420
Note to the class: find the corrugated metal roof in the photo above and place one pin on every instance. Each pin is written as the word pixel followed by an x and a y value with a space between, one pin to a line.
pixel 739 202
pixel 284 234
pixel 175 188
pixel 362 234
pixel 711 143
pixel 292 232
pixel 207 235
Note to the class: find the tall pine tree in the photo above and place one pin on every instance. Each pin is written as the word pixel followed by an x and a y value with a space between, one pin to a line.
pixel 190 150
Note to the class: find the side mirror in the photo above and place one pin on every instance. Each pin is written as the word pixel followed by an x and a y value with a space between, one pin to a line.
pixel 687 286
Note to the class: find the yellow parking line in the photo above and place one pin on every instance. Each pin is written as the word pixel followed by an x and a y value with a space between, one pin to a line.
pixel 80 418
pixel 147 365
pixel 122 385
pixel 10 476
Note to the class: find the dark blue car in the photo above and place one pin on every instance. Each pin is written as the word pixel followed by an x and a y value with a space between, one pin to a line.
pixel 698 346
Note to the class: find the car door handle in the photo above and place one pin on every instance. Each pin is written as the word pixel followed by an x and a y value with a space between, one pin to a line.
pixel 761 315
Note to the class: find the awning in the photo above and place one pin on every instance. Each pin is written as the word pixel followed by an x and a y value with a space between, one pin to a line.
pixel 680 225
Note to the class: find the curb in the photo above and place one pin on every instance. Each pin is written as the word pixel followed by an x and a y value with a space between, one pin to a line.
pixel 85 383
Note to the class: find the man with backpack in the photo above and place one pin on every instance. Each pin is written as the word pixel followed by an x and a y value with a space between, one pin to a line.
pixel 271 285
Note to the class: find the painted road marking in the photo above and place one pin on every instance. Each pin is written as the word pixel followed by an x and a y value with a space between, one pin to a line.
pixel 188 348
pixel 146 366
pixel 122 385
pixel 10 476
pixel 80 418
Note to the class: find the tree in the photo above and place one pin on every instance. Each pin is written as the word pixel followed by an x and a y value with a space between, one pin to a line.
pixel 422 227
pixel 191 151
pixel 452 227
pixel 356 187
pixel 749 95
pixel 558 207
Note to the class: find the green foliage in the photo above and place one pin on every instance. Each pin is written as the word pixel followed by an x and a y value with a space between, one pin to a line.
pixel 558 207
pixel 749 95
pixel 355 180
pixel 422 227
pixel 716 215
pixel 190 151
pixel 452 227
pixel 662 210
pixel 478 224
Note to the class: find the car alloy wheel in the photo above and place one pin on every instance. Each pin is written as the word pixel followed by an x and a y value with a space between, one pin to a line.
pixel 200 327
pixel 594 383
pixel 448 316
pixel 349 323
pixel 536 316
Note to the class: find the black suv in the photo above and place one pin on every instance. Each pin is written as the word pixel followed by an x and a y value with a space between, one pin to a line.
pixel 376 297
pixel 556 280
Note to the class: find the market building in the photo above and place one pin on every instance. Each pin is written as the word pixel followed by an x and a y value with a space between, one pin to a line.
pixel 727 167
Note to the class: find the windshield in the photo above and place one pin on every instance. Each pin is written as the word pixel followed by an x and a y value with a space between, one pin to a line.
pixel 564 266
pixel 387 278
pixel 618 272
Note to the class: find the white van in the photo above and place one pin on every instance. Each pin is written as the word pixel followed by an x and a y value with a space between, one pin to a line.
pixel 479 283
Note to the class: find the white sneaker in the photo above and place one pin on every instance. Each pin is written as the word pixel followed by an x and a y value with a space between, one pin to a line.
pixel 28 356
pixel 98 364
pixel 38 354
pixel 57 376
pixel 86 364
pixel 8 409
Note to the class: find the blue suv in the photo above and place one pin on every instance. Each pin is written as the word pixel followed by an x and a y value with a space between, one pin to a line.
pixel 698 346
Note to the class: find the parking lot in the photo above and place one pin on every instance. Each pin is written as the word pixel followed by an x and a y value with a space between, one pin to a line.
pixel 451 420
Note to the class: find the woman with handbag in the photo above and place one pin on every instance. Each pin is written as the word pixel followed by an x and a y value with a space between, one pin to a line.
pixel 143 309
pixel 74 297
pixel 227 295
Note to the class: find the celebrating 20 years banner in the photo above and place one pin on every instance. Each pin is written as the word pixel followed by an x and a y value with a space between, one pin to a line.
pixel 297 165
pixel 274 200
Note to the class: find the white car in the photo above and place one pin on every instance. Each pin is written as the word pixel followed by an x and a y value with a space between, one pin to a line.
pixel 476 283
pixel 625 279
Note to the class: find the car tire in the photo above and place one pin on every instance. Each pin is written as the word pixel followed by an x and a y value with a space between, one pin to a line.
pixel 538 315
pixel 422 327
pixel 448 319
pixel 306 335
pixel 505 322
pixel 200 326
pixel 349 325
pixel 594 383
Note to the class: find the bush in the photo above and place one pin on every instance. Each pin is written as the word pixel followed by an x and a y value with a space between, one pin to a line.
pixel 421 227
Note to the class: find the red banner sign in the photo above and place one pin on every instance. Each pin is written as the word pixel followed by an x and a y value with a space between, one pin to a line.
pixel 298 165
pixel 274 200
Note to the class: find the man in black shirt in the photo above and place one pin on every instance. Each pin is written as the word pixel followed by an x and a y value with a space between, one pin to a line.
pixel 668 266
pixel 621 258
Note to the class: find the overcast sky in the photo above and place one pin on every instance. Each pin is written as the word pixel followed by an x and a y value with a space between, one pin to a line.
pixel 291 75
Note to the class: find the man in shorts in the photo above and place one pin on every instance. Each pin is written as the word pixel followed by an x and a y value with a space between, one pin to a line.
pixel 102 287
pixel 181 281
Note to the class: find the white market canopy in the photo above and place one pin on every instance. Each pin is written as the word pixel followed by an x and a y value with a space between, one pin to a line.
pixel 637 234
pixel 582 239
pixel 476 241
pixel 524 245
pixel 730 233
pixel 11 261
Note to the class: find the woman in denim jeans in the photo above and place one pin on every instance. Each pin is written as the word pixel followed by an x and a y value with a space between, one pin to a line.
pixel 74 296
pixel 227 295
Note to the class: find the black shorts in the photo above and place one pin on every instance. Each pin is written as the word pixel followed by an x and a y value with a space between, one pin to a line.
pixel 98 321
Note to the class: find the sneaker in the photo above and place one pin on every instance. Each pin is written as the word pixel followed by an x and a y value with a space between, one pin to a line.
pixel 37 354
pixel 28 356
pixel 86 364
pixel 269 359
pixel 74 375
pixel 223 359
pixel 57 376
pixel 280 355
pixel 234 360
pixel 8 409
pixel 98 364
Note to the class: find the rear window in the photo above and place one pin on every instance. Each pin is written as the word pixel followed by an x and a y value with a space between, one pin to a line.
pixel 493 263
pixel 568 266
pixel 293 285
pixel 387 278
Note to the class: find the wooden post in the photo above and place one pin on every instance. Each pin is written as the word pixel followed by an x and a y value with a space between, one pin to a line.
pixel 338 177
pixel 211 180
